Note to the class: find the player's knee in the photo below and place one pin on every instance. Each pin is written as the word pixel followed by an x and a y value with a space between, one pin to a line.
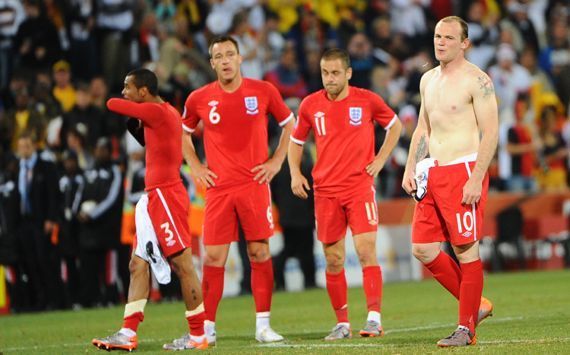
pixel 182 266
pixel 335 261
pixel 258 251
pixel 258 255
pixel 423 253
pixel 367 257
pixel 137 265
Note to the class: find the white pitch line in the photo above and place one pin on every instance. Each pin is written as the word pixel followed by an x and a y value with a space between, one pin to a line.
pixel 377 345
pixel 438 326
pixel 285 345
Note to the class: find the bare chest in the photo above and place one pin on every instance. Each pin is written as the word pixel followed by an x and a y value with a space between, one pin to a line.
pixel 447 100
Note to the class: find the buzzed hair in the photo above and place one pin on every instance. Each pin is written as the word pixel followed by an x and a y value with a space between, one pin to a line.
pixel 337 53
pixel 221 39
pixel 144 77
pixel 462 23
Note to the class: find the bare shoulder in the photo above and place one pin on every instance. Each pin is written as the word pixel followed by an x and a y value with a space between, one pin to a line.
pixel 427 76
pixel 481 84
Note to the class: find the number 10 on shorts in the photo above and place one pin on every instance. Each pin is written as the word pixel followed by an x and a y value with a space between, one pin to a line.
pixel 465 223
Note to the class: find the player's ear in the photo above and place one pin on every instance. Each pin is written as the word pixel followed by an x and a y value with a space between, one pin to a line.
pixel 349 73
pixel 212 63
pixel 465 44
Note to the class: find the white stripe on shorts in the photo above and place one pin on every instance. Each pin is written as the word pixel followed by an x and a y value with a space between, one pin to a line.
pixel 169 216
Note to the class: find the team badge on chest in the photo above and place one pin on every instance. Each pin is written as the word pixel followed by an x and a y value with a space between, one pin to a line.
pixel 251 105
pixel 355 115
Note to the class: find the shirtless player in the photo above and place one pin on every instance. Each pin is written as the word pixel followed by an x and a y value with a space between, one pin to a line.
pixel 458 127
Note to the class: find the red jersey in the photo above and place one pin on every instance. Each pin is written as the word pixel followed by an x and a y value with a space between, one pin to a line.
pixel 344 135
pixel 235 128
pixel 163 137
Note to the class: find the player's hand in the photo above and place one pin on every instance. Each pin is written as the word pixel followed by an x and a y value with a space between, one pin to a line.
pixel 374 167
pixel 471 191
pixel 203 175
pixel 300 186
pixel 265 172
pixel 409 182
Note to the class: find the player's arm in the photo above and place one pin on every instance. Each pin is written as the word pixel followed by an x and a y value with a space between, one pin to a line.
pixel 419 144
pixel 299 184
pixel 199 171
pixel 149 113
pixel 486 114
pixel 390 141
pixel 265 172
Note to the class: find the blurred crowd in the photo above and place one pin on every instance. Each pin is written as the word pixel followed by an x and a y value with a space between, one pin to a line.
pixel 62 152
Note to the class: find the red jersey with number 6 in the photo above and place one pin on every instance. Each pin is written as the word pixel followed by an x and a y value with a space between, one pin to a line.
pixel 344 135
pixel 235 128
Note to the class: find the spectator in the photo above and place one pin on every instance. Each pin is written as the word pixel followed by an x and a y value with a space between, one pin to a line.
pixel 9 220
pixel 483 33
pixel 554 153
pixel 71 186
pixel 85 114
pixel 63 89
pixel 362 59
pixel 522 148
pixel 286 77
pixel 37 43
pixel 509 78
pixel 75 141
pixel 297 220
pixel 251 65
pixel 37 187
pixel 12 16
pixel 100 217
pixel 80 24
pixel 23 118
pixel 556 55
pixel 114 22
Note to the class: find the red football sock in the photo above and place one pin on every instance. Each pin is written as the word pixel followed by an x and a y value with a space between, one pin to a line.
pixel 262 284
pixel 446 271
pixel 212 289
pixel 132 321
pixel 196 321
pixel 470 294
pixel 337 289
pixel 372 284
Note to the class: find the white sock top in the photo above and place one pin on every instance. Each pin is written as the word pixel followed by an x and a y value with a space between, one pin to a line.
pixel 128 332
pixel 375 317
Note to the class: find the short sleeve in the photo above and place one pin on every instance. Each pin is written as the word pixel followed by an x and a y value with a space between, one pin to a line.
pixel 381 112
pixel 277 106
pixel 190 116
pixel 302 126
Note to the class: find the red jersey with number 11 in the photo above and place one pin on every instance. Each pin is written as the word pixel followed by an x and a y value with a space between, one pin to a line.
pixel 235 128
pixel 344 135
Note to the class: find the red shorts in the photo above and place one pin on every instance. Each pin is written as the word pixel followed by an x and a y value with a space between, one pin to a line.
pixel 440 216
pixel 168 211
pixel 334 214
pixel 251 206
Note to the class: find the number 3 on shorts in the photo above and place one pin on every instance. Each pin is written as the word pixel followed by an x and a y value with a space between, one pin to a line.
pixel 169 235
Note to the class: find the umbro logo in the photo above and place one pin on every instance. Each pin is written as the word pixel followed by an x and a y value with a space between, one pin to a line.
pixel 467 234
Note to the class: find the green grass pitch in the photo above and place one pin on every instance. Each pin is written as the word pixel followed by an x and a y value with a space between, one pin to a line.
pixel 532 316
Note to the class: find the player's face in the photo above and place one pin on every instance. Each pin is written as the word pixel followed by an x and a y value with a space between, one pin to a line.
pixel 335 76
pixel 225 61
pixel 130 91
pixel 447 41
